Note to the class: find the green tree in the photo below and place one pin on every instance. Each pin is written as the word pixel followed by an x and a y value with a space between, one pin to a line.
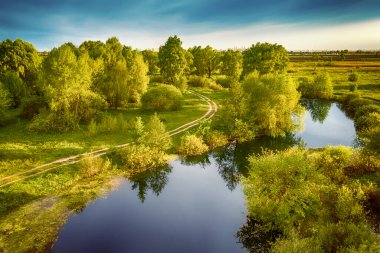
pixel 15 86
pixel 151 59
pixel 66 81
pixel 20 57
pixel 265 58
pixel 95 49
pixel 271 102
pixel 205 60
pixel 232 64
pixel 153 134
pixel 5 101
pixel 172 60
pixel 320 87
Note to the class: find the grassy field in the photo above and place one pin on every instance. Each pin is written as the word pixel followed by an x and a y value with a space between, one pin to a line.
pixel 368 82
pixel 21 149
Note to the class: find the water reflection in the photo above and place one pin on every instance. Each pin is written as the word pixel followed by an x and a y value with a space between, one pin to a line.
pixel 154 180
pixel 318 109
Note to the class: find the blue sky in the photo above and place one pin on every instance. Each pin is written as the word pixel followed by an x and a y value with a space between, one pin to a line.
pixel 296 24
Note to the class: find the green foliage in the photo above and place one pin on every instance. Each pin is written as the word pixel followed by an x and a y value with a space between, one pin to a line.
pixel 107 124
pixel 181 84
pixel 280 190
pixel 151 58
pixel 270 102
pixel 321 87
pixel 20 57
pixel 353 77
pixel 137 158
pixel 33 105
pixel 242 132
pixel 205 60
pixel 265 58
pixel 153 135
pixel 225 82
pixel 91 166
pixel 204 82
pixel 232 64
pixel 162 97
pixel 216 139
pixel 172 60
pixel 5 102
pixel 15 86
pixel 318 109
pixel 66 80
pixel 192 145
pixel 50 122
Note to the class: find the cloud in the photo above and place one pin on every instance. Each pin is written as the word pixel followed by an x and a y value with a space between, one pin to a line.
pixel 147 23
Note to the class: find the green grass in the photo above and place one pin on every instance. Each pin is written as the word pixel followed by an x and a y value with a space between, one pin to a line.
pixel 21 149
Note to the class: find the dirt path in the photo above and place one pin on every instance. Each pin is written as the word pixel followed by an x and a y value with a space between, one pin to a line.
pixel 5 181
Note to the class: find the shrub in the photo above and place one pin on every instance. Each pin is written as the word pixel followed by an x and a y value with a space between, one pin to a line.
pixel 32 106
pixel 368 121
pixel 181 84
pixel 332 161
pixel 92 165
pixel 197 81
pixel 224 82
pixel 162 97
pixel 137 158
pixel 242 131
pixel 321 87
pixel 108 124
pixel 366 109
pixel 192 145
pixel 214 86
pixel 216 139
pixel 354 87
pixel 353 77
pixel 52 122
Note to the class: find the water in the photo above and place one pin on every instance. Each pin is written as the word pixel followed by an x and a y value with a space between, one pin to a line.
pixel 325 124
pixel 184 208
pixel 196 205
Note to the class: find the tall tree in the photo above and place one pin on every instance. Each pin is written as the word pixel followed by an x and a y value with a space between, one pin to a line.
pixel 172 60
pixel 20 57
pixel 232 64
pixel 265 58
pixel 205 60
pixel 66 79
pixel 15 86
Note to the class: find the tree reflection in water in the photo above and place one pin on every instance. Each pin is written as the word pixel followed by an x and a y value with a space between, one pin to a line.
pixel 318 109
pixel 255 237
pixel 154 180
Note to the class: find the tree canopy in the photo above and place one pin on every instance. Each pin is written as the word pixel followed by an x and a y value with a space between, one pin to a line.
pixel 232 64
pixel 265 58
pixel 172 60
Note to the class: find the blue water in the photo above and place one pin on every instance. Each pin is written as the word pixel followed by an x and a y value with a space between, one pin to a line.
pixel 335 129
pixel 194 212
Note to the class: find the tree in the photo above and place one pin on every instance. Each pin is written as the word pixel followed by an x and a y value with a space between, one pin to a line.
pixel 95 49
pixel 124 77
pixel 172 60
pixel 320 87
pixel 151 59
pixel 205 60
pixel 15 86
pixel 4 103
pixel 232 64
pixel 271 102
pixel 66 81
pixel 265 58
pixel 20 57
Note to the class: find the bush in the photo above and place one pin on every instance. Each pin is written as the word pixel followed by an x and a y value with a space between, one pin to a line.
pixel 214 86
pixel 354 87
pixel 353 77
pixel 321 87
pixel 32 106
pixel 108 124
pixel 224 82
pixel 367 121
pixel 181 84
pixel 366 109
pixel 137 158
pixel 204 82
pixel 192 145
pixel 216 139
pixel 52 122
pixel 242 132
pixel 162 97
pixel 92 165
pixel 332 161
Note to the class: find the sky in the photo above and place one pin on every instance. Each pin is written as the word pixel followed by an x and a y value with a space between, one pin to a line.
pixel 295 24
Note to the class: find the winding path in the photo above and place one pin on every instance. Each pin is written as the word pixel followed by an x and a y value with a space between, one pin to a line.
pixel 6 181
